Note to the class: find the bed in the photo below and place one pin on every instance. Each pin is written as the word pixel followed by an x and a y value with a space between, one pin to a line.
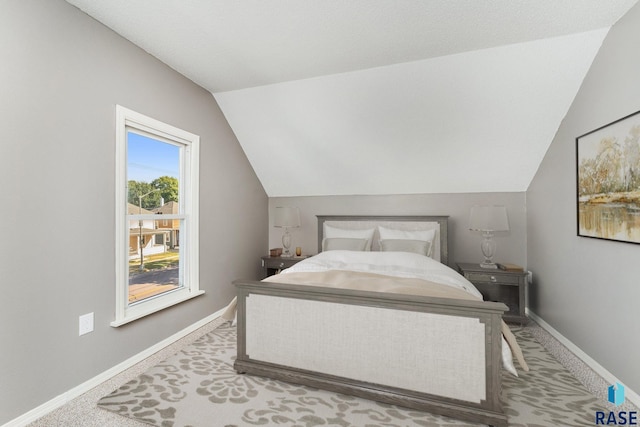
pixel 324 324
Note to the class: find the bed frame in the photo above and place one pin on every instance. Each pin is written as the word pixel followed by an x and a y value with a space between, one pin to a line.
pixel 358 343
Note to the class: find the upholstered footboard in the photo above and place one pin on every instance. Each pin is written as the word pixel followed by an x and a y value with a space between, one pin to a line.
pixel 433 354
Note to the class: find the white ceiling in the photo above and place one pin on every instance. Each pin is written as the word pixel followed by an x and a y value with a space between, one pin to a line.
pixel 379 96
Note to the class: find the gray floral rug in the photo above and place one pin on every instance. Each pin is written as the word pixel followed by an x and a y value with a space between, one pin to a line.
pixel 198 387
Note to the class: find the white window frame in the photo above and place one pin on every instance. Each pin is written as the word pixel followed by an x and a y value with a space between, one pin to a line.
pixel 127 120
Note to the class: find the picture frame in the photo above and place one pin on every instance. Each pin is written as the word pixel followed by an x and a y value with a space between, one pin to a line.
pixel 608 181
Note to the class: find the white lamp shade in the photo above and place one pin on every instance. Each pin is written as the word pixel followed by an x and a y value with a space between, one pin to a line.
pixel 488 218
pixel 286 216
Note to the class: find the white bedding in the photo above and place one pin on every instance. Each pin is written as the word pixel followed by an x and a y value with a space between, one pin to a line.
pixel 395 264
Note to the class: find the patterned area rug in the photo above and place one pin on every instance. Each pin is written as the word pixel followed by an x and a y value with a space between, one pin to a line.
pixel 198 387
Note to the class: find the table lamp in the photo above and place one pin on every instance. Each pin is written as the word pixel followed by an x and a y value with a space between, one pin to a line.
pixel 286 217
pixel 487 220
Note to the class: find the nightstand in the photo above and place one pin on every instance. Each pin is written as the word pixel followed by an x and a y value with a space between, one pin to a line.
pixel 508 287
pixel 273 265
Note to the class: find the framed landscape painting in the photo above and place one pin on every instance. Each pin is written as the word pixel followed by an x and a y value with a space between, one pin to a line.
pixel 608 181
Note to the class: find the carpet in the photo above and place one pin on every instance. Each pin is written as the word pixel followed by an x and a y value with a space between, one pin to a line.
pixel 198 387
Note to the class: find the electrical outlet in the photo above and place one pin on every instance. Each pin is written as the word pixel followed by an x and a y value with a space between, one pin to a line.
pixel 85 323
pixel 529 277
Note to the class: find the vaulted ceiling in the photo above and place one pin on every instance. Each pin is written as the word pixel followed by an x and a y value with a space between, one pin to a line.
pixel 332 97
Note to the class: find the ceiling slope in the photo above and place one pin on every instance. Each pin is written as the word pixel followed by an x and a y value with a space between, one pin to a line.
pixel 226 45
pixel 473 122
pixel 379 96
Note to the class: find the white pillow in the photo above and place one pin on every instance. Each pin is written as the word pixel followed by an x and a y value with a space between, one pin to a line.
pixel 343 244
pixel 424 235
pixel 421 247
pixel 333 232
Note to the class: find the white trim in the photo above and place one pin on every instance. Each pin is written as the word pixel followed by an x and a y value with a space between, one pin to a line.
pixel 632 396
pixel 122 223
pixel 77 391
pixel 189 143
pixel 156 305
pixel 154 217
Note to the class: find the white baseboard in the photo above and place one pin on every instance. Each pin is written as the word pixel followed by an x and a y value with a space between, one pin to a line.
pixel 69 395
pixel 630 395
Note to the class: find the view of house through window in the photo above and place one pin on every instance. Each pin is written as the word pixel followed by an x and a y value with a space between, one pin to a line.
pixel 154 223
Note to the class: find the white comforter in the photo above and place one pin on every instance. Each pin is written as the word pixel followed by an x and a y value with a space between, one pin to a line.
pixel 396 264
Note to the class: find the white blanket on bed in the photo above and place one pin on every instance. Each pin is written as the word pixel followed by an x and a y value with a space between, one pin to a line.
pixel 396 264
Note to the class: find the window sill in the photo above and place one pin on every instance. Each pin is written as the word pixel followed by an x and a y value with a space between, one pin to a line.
pixel 147 309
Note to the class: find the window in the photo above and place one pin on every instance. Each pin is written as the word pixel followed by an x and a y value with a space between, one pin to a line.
pixel 156 216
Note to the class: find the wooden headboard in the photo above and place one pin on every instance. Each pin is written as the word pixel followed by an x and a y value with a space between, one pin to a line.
pixel 413 222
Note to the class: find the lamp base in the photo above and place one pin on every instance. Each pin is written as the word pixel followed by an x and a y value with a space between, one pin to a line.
pixel 286 243
pixel 488 247
pixel 489 265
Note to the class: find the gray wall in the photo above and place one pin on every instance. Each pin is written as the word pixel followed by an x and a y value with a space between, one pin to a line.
pixel 585 288
pixel 464 246
pixel 62 74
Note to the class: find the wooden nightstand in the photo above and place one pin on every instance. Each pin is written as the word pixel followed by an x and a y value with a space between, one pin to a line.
pixel 273 265
pixel 508 287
